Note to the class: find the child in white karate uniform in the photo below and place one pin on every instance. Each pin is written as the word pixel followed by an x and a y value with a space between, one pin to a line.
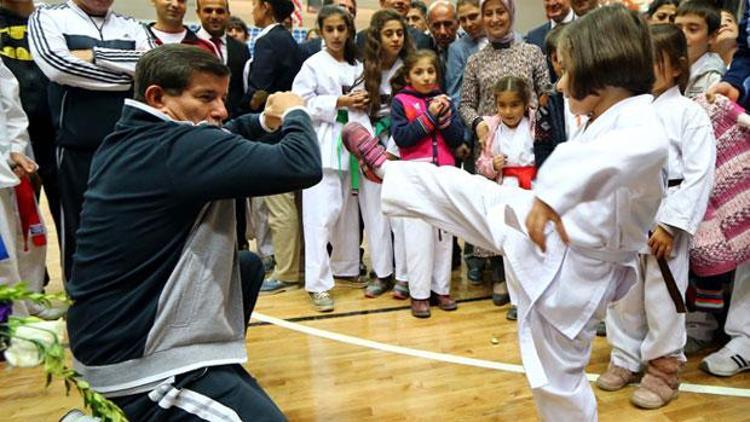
pixel 508 158
pixel 645 331
pixel 24 240
pixel 329 209
pixel 600 191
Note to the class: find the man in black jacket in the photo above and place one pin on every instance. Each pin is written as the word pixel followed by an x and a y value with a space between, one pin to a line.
pixel 161 296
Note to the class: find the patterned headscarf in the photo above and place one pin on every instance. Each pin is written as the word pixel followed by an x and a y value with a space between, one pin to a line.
pixel 510 6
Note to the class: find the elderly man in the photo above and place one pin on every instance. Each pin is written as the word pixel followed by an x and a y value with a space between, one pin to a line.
pixel 161 296
pixel 443 24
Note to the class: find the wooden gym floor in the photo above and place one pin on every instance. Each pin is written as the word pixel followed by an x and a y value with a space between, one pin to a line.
pixel 370 360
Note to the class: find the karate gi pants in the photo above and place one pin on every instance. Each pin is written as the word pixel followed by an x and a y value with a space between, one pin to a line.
pixel 467 206
pixel 330 215
pixel 428 258
pixel 644 324
pixel 738 319
pixel 377 228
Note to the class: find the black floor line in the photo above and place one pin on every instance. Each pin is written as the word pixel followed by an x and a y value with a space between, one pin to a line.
pixel 319 317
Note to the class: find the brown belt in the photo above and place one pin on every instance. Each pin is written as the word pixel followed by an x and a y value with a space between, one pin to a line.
pixel 674 292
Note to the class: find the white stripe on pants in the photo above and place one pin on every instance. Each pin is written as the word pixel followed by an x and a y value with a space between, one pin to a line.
pixel 329 214
pixel 466 205
pixel 428 258
pixel 644 325
pixel 738 319
pixel 377 228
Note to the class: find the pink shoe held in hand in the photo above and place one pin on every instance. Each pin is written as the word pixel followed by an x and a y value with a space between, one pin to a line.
pixel 365 147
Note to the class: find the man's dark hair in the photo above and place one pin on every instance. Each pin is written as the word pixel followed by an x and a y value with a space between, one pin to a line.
pixel 172 66
pixel 609 46
pixel 705 9
pixel 418 4
pixel 282 9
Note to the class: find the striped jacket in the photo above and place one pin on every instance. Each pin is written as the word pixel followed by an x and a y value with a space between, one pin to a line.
pixel 85 97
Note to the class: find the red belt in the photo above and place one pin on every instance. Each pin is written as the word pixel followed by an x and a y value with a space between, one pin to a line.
pixel 524 175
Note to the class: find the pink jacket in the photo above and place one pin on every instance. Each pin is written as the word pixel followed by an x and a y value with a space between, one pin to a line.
pixel 416 132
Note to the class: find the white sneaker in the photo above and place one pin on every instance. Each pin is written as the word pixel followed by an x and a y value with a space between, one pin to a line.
pixel 725 363
pixel 322 300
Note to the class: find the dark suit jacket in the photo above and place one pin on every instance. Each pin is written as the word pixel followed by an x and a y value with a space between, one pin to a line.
pixel 308 48
pixel 237 56
pixel 537 36
pixel 276 61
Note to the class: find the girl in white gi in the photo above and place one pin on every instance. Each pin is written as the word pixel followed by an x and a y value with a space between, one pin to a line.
pixel 426 127
pixel 22 230
pixel 508 156
pixel 599 192
pixel 329 209
pixel 643 328
pixel 387 45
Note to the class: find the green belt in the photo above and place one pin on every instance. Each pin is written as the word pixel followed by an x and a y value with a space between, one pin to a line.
pixel 342 116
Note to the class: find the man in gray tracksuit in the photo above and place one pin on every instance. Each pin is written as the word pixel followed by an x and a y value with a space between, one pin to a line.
pixel 161 295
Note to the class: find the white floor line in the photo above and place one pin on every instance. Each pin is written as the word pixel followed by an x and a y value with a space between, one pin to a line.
pixel 460 360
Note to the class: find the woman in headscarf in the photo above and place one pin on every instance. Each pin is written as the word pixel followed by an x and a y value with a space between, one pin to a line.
pixel 506 54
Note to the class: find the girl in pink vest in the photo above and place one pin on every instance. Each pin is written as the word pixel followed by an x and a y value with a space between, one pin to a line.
pixel 508 155
pixel 426 127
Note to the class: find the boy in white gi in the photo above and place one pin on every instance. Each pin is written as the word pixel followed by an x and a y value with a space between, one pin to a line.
pixel 643 329
pixel 601 191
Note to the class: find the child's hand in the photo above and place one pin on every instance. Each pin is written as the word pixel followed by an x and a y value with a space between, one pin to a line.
pixel 536 221
pixel 22 165
pixel 355 100
pixel 435 108
pixel 498 162
pixel 661 243
pixel 462 152
pixel 482 131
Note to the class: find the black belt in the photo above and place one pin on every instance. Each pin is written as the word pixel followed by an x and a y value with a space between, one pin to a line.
pixel 674 292
pixel 674 182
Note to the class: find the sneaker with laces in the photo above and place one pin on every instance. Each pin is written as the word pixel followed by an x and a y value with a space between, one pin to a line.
pixel 322 301
pixel 725 363
pixel 615 378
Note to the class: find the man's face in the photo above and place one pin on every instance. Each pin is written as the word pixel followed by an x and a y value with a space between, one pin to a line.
pixel 470 18
pixel 95 7
pixel 400 6
pixel 556 10
pixel 170 12
pixel 348 5
pixel 201 101
pixel 213 15
pixel 581 7
pixel 416 19
pixel 443 25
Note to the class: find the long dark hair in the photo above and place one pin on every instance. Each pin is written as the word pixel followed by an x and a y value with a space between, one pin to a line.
pixel 669 41
pixel 351 53
pixel 398 81
pixel 372 60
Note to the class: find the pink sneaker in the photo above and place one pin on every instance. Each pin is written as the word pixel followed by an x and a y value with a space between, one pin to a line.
pixel 365 148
